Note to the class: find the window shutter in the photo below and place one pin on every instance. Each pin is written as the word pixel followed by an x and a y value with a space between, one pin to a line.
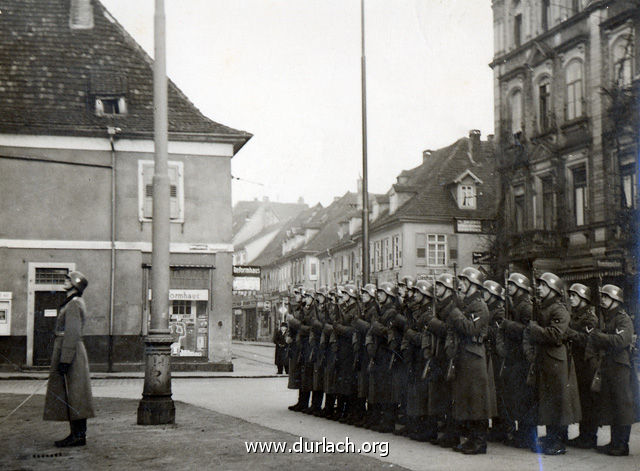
pixel 147 203
pixel 453 248
pixel 174 212
pixel 400 250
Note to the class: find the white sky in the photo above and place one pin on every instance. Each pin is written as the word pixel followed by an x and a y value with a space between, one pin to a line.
pixel 288 71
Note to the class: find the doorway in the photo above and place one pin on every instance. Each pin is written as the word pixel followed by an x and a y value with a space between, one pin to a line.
pixel 46 305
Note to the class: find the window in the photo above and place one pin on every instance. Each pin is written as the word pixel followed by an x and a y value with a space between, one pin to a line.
pixel 515 111
pixel 436 249
pixel 467 196
pixel 546 14
pixel 145 191
pixel 378 250
pixel 622 55
pixel 629 186
pixel 372 258
pixel 421 246
pixel 111 106
pixel 544 104
pixel 574 90
pixel 518 204
pixel 51 276
pixel 548 205
pixel 579 175
pixel 517 30
pixel 575 6
pixel 397 251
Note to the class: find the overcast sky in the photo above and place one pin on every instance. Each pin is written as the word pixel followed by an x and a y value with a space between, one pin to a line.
pixel 288 71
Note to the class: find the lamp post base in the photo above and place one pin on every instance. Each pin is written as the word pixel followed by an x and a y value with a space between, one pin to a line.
pixel 156 406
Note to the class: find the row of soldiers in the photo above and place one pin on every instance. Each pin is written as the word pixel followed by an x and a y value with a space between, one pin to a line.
pixel 436 361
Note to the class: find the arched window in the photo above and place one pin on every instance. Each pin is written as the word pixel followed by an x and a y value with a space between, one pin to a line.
pixel 515 111
pixel 574 90
pixel 544 104
pixel 622 54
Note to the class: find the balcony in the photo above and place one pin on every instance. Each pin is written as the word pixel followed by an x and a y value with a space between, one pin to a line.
pixel 532 244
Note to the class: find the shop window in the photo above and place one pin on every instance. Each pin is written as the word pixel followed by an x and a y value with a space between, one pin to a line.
pixel 145 192
pixel 188 325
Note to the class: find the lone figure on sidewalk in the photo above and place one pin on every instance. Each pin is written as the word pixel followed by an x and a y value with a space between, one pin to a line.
pixel 69 388
pixel 279 338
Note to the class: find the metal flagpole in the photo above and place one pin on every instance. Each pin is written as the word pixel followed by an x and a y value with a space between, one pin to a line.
pixel 156 406
pixel 365 185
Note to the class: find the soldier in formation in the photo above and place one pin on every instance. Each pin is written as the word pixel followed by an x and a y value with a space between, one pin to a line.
pixel 439 361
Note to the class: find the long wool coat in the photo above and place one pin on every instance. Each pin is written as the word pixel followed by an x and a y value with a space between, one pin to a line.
pixel 473 393
pixel 519 397
pixel 417 388
pixel 76 402
pixel 380 387
pixel 618 399
pixel 295 367
pixel 306 366
pixel 556 383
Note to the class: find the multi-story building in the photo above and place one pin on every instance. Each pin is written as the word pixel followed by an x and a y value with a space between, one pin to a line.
pixel 565 85
pixel 76 167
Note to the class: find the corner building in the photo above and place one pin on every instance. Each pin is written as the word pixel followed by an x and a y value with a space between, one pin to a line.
pixel 565 90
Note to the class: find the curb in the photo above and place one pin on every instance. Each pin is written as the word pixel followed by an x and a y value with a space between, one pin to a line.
pixel 100 376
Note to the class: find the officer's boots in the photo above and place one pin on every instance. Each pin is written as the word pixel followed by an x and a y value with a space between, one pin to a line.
pixel 373 415
pixel 316 403
pixel 619 445
pixel 329 406
pixel 78 434
pixel 387 416
pixel 303 401
pixel 477 442
pixel 587 439
pixel 425 429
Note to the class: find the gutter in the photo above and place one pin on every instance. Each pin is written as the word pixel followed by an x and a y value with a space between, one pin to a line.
pixel 112 131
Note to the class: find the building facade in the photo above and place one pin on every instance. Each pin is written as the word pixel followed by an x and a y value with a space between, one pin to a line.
pixel 76 168
pixel 565 85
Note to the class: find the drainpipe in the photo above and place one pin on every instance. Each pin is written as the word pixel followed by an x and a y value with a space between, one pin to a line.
pixel 112 131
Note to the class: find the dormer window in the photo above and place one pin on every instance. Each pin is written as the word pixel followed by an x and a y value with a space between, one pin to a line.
pixel 467 196
pixel 111 106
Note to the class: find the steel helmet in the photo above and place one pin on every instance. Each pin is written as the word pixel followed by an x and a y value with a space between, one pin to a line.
pixel 552 281
pixel 339 290
pixel 298 290
pixel 322 291
pixel 472 274
pixel 309 292
pixel 581 290
pixel 78 281
pixel 424 287
pixel 407 281
pixel 613 292
pixel 520 281
pixel 387 288
pixel 494 288
pixel 351 291
pixel 446 279
pixel 370 289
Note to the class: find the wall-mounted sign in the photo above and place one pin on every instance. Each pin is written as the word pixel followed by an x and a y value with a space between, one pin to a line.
pixel 244 270
pixel 246 283
pixel 468 225
pixel 187 295
pixel 50 313
pixel 480 257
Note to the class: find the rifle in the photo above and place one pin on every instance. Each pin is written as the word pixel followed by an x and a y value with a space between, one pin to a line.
pixel 506 315
pixel 433 342
pixel 531 375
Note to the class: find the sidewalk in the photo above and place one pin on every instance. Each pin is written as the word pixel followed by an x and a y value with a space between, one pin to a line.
pixel 201 440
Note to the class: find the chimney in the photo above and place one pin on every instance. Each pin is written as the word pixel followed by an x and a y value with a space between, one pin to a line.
pixel 300 200
pixel 81 14
pixel 426 155
pixel 474 143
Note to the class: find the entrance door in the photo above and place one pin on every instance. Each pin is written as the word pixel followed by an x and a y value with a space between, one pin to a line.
pixel 251 324
pixel 45 316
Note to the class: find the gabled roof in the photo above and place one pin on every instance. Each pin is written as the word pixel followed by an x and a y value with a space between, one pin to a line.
pixel 434 177
pixel 243 210
pixel 465 174
pixel 51 74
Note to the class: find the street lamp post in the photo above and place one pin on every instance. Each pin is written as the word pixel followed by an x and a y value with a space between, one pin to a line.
pixel 365 183
pixel 156 406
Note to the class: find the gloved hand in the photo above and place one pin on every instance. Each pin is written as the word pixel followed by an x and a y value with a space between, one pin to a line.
pixel 63 368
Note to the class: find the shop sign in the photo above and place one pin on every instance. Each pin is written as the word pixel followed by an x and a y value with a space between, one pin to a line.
pixel 480 257
pixel 609 263
pixel 469 225
pixel 243 270
pixel 187 295
pixel 246 283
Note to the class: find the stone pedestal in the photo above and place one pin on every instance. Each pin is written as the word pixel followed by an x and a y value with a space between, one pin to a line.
pixel 156 406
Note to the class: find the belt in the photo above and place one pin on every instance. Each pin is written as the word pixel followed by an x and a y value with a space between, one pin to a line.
pixel 59 334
